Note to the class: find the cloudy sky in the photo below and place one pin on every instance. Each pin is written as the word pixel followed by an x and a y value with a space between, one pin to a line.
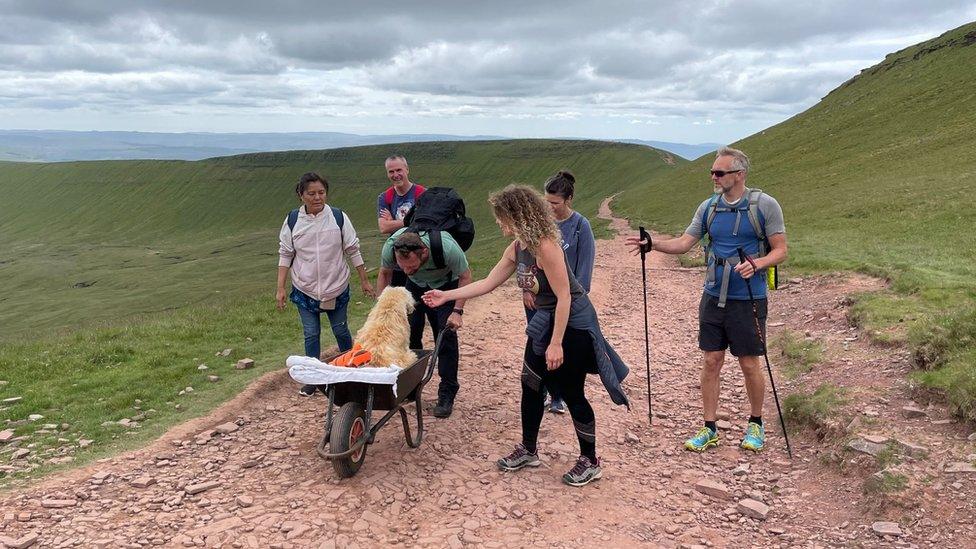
pixel 712 70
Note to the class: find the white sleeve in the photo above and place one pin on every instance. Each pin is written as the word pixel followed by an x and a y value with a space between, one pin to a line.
pixel 350 242
pixel 286 250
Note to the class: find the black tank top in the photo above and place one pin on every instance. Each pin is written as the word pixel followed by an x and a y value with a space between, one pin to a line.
pixel 530 277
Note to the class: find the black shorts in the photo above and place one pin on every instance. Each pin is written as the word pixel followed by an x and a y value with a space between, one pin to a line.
pixel 732 327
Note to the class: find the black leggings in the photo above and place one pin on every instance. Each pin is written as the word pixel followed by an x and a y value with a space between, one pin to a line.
pixel 567 381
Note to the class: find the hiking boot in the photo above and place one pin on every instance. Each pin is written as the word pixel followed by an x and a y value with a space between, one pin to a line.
pixel 703 440
pixel 445 405
pixel 755 437
pixel 584 472
pixel 518 459
pixel 557 406
pixel 307 390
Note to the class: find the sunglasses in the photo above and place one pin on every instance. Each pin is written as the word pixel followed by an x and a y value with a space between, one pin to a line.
pixel 723 173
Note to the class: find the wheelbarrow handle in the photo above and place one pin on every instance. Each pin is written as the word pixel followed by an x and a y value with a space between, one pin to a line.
pixel 432 363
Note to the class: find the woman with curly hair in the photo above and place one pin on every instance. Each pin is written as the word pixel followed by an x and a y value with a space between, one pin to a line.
pixel 564 339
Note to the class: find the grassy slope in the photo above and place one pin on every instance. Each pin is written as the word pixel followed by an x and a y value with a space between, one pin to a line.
pixel 159 235
pixel 152 235
pixel 877 177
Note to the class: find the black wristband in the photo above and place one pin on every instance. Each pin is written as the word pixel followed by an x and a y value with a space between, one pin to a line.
pixel 459 311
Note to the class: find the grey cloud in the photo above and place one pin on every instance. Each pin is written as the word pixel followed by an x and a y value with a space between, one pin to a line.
pixel 338 45
pixel 509 58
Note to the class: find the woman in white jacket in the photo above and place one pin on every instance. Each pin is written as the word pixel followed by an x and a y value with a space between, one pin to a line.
pixel 314 243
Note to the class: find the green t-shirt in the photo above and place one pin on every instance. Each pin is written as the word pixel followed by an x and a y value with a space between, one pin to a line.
pixel 429 276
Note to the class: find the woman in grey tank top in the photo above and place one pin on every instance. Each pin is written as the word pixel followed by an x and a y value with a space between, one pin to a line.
pixel 564 341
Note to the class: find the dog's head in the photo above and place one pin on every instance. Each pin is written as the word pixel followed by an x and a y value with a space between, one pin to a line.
pixel 396 298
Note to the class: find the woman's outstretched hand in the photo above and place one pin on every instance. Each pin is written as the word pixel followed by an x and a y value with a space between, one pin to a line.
pixel 434 298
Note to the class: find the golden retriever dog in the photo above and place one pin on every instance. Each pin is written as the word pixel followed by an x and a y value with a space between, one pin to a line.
pixel 386 333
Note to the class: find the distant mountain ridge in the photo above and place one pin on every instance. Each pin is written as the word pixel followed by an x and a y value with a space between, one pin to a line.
pixel 60 146
pixel 684 150
pixel 64 146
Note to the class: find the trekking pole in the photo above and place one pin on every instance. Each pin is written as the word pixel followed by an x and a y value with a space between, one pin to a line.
pixel 762 340
pixel 644 249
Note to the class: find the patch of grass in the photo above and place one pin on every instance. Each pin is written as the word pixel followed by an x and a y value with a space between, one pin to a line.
pixel 956 381
pixel 885 482
pixel 885 316
pixel 944 347
pixel 797 354
pixel 888 456
pixel 938 340
pixel 137 371
pixel 814 409
pixel 692 260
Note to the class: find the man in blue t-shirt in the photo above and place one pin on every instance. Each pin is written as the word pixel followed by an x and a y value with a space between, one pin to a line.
pixel 725 315
pixel 393 204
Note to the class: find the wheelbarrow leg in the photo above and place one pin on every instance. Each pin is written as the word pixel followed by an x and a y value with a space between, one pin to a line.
pixel 411 441
pixel 328 421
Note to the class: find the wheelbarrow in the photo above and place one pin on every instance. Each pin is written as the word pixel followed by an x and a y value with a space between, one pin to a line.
pixel 352 428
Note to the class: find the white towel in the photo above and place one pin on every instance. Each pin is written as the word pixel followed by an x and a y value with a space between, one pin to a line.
pixel 309 371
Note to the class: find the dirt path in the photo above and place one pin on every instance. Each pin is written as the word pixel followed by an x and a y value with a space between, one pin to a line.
pixel 271 490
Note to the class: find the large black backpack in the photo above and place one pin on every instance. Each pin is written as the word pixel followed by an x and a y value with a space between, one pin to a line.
pixel 441 209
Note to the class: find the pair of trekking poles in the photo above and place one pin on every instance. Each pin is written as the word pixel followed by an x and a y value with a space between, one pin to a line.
pixel 644 250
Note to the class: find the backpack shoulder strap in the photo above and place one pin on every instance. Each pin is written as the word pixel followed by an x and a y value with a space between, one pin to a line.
pixel 757 221
pixel 292 220
pixel 757 225
pixel 437 248
pixel 340 220
pixel 709 213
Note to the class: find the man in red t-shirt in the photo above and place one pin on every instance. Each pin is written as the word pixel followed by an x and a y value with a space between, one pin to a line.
pixel 393 204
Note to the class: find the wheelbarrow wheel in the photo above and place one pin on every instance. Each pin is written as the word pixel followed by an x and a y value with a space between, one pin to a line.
pixel 348 426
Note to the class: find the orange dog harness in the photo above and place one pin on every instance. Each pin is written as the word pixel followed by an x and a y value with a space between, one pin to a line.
pixel 353 358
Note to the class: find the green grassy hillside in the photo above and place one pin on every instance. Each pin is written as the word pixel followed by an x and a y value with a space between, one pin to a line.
pixel 121 278
pixel 877 177
pixel 83 242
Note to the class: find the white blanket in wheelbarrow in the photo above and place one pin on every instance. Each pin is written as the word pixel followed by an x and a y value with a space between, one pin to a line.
pixel 309 371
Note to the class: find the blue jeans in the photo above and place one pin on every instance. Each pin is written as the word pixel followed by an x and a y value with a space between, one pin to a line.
pixel 312 326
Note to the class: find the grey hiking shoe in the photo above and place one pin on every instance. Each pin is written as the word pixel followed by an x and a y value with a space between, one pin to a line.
pixel 518 459
pixel 584 472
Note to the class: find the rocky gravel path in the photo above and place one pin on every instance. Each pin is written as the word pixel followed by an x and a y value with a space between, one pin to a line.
pixel 248 476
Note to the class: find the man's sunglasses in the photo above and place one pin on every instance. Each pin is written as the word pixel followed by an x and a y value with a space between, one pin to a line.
pixel 723 173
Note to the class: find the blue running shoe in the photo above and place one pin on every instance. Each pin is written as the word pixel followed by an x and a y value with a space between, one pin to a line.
pixel 755 437
pixel 557 406
pixel 702 441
